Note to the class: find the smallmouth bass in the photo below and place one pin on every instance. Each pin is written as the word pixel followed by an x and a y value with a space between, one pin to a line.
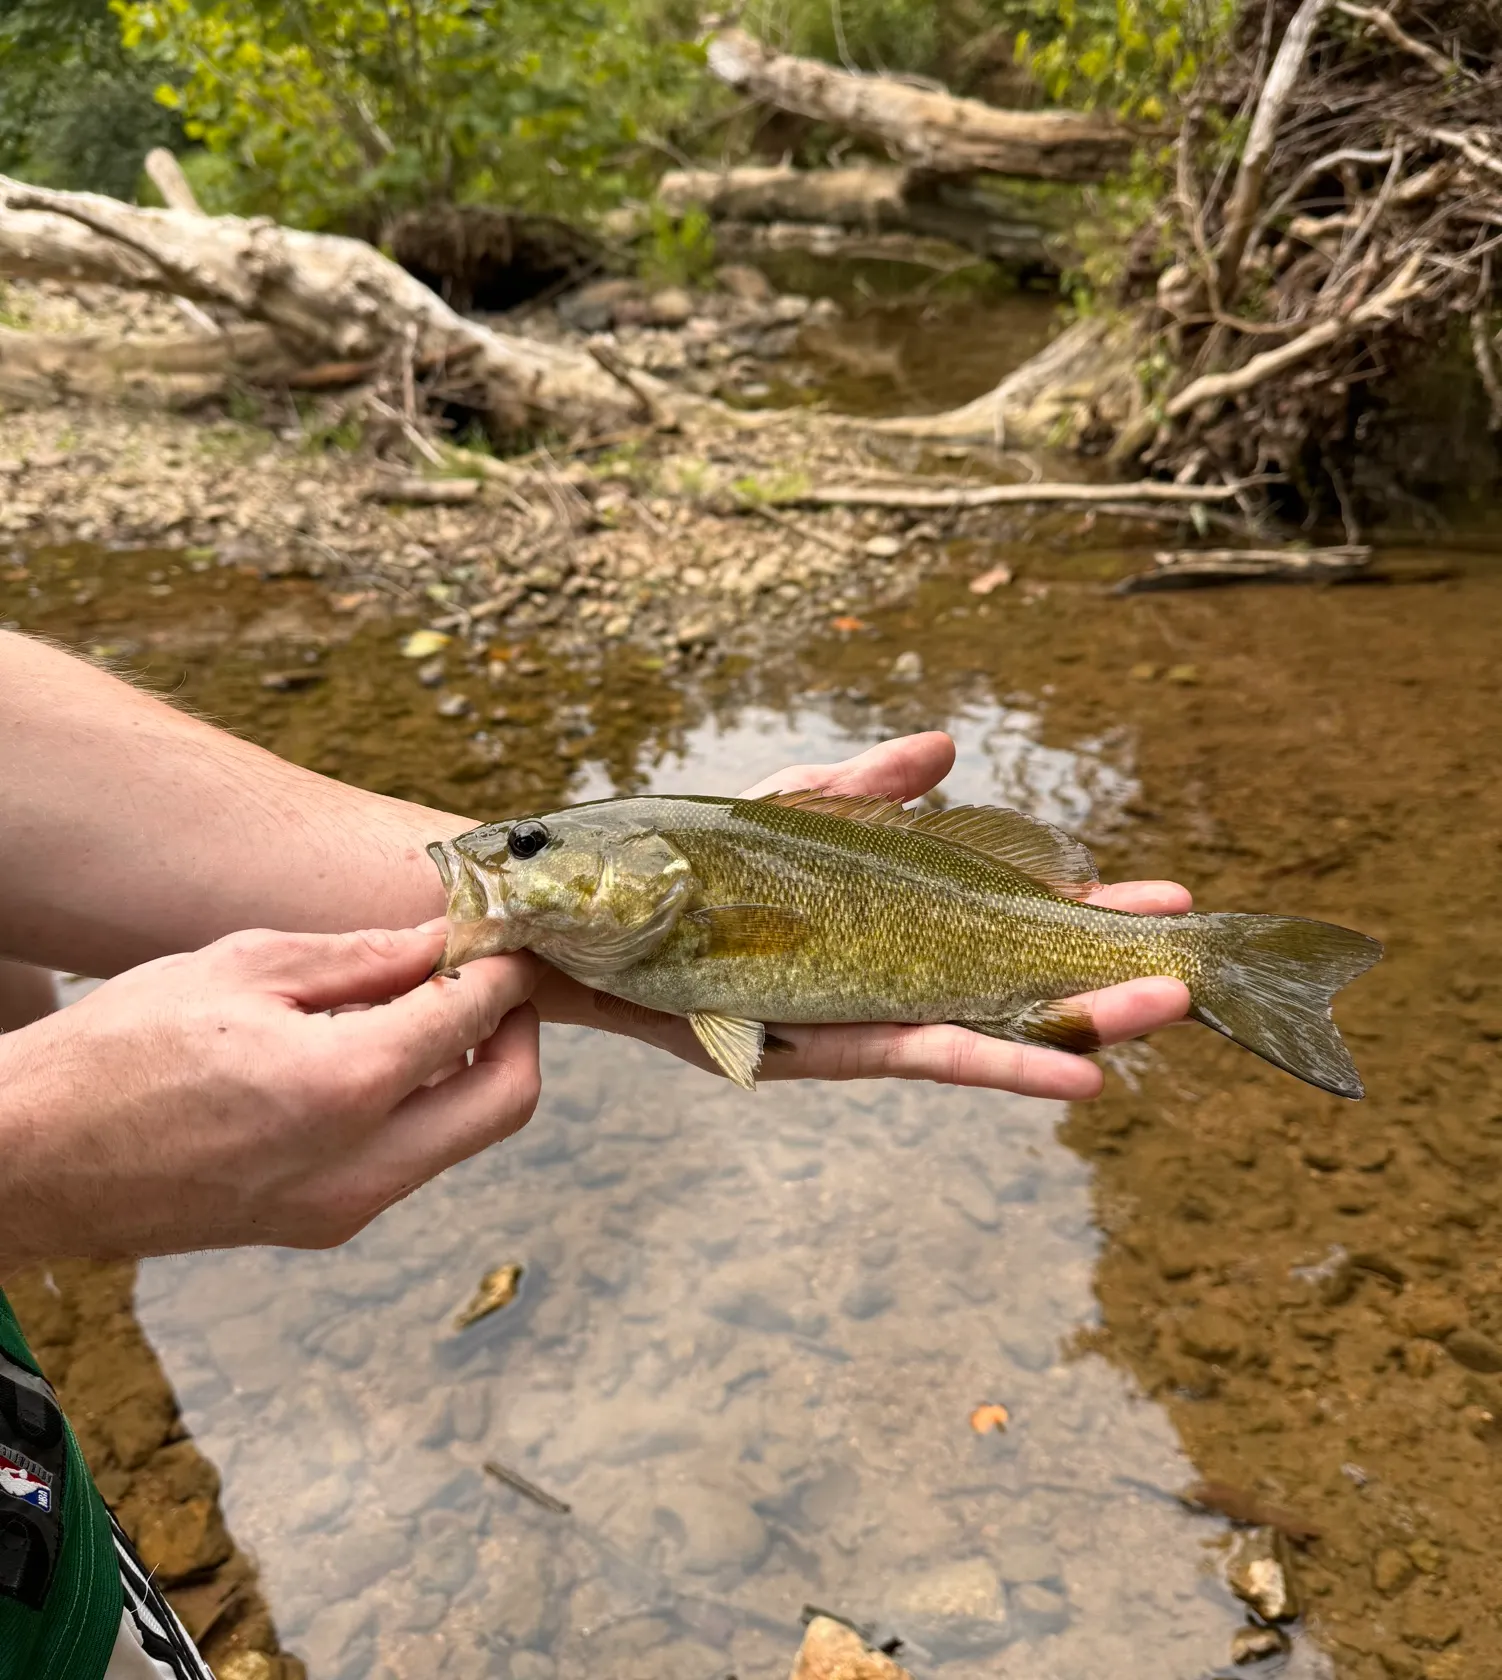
pixel 819 908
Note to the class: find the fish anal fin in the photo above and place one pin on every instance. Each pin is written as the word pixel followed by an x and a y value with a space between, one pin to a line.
pixel 1035 848
pixel 735 1045
pixel 1051 1026
pixel 869 808
pixel 750 930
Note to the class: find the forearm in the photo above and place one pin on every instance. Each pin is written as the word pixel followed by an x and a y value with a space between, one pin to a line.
pixel 129 829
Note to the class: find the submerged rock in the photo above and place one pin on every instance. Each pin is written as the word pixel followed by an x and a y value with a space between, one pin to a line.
pixel 1256 1644
pixel 833 1651
pixel 1258 1572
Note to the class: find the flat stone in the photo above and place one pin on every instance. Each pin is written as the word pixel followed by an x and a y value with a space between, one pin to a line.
pixel 517 1604
pixel 970 1588
pixel 1256 1644
pixel 364 1554
pixel 718 1528
pixel 868 1299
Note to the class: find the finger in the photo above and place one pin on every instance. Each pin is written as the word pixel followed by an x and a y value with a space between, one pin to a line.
pixel 405 1042
pixel 1134 1008
pixel 435 1129
pixel 943 1055
pixel 899 769
pixel 324 970
pixel 1144 898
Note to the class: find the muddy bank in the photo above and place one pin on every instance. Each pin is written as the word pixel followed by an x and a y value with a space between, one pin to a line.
pixel 79 1317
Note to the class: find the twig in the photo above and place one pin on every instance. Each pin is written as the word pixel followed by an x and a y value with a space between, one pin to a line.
pixel 1368 222
pixel 1009 495
pixel 514 1479
pixel 1467 148
pixel 1256 156
pixel 1214 386
pixel 618 371
pixel 1486 364
pixel 788 523
pixel 1386 24
pixel 408 431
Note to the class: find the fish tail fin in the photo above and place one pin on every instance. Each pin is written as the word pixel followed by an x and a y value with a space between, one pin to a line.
pixel 1268 981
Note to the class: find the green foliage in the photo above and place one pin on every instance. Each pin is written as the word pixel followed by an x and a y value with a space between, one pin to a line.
pixel 339 112
pixel 75 110
pixel 678 250
pixel 1138 57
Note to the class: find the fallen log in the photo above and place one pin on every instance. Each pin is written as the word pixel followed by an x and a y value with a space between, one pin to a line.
pixel 40 368
pixel 933 131
pixel 1200 568
pixel 876 198
pixel 1084 382
pixel 325 297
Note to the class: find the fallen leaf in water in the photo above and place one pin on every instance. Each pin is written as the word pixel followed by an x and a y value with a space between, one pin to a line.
pixel 986 1418
pixel 987 581
pixel 15 574
pixel 497 1289
pixel 423 644
pixel 847 622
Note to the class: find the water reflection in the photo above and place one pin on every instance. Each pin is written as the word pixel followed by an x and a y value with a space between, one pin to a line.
pixel 748 1341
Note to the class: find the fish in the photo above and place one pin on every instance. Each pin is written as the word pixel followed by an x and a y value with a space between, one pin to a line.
pixel 809 907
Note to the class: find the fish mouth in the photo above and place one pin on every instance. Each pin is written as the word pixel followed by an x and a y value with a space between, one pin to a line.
pixel 478 925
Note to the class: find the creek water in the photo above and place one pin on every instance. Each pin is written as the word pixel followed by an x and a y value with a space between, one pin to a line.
pixel 751 1330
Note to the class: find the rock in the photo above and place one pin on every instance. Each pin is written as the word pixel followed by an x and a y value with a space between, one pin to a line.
pixel 1026 1556
pixel 471 1413
pixel 908 667
pixel 454 706
pixel 790 308
pixel 1258 1573
pixel 718 1529
pixel 832 1651
pixel 594 308
pixel 339 1643
pixel 1430 1620
pixel 184 1540
pixel 671 307
pixel 445 1558
pixel 423 644
pixel 996 578
pixel 364 1554
pixel 291 682
pixel 868 1299
pixel 518 1604
pixel 347 1344
pixel 1473 1350
pixel 431 674
pixel 1255 1644
pixel 1041 1610
pixel 883 548
pixel 1211 1335
pixel 1430 1312
pixel 969 1589
pixel 318 1505
pixel 744 283
pixel 1392 1570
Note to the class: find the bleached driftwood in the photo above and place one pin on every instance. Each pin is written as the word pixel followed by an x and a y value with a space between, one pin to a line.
pixel 928 129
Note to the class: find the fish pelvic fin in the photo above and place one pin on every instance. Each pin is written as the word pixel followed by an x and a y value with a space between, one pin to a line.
pixel 1053 1026
pixel 734 1045
pixel 1267 982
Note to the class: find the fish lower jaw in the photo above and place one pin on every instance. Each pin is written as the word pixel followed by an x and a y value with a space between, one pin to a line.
pixel 488 936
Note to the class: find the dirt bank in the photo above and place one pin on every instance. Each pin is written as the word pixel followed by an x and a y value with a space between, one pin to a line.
pixel 80 1320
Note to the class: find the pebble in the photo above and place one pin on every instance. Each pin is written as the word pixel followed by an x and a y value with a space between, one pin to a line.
pixel 883 548
pixel 1256 1644
pixel 430 674
pixel 454 706
pixel 908 667
pixel 1258 1573
pixel 719 1530
pixel 1473 1350
pixel 970 1588
pixel 1392 1570
pixel 868 1299
pixel 365 1553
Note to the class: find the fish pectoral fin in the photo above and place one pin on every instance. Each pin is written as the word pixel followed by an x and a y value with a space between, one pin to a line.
pixel 750 930
pixel 1051 1026
pixel 735 1045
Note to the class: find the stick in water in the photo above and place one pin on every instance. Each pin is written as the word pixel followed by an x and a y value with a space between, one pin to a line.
pixel 513 1479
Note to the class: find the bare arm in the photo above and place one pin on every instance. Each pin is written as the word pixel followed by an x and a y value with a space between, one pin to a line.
pixel 131 830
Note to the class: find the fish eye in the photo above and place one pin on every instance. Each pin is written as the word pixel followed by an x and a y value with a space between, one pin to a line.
pixel 527 839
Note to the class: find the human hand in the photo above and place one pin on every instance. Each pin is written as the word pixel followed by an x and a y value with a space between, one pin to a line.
pixel 210 1099
pixel 902 769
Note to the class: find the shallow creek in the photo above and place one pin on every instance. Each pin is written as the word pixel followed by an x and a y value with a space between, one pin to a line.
pixel 751 1331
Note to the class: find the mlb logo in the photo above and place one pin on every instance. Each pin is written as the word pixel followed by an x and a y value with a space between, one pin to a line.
pixel 21 1484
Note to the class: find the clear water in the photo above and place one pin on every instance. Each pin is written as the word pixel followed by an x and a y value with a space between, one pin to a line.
pixel 747 1344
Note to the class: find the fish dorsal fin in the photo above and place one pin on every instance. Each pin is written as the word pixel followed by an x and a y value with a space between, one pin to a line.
pixel 1037 849
pixel 868 808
